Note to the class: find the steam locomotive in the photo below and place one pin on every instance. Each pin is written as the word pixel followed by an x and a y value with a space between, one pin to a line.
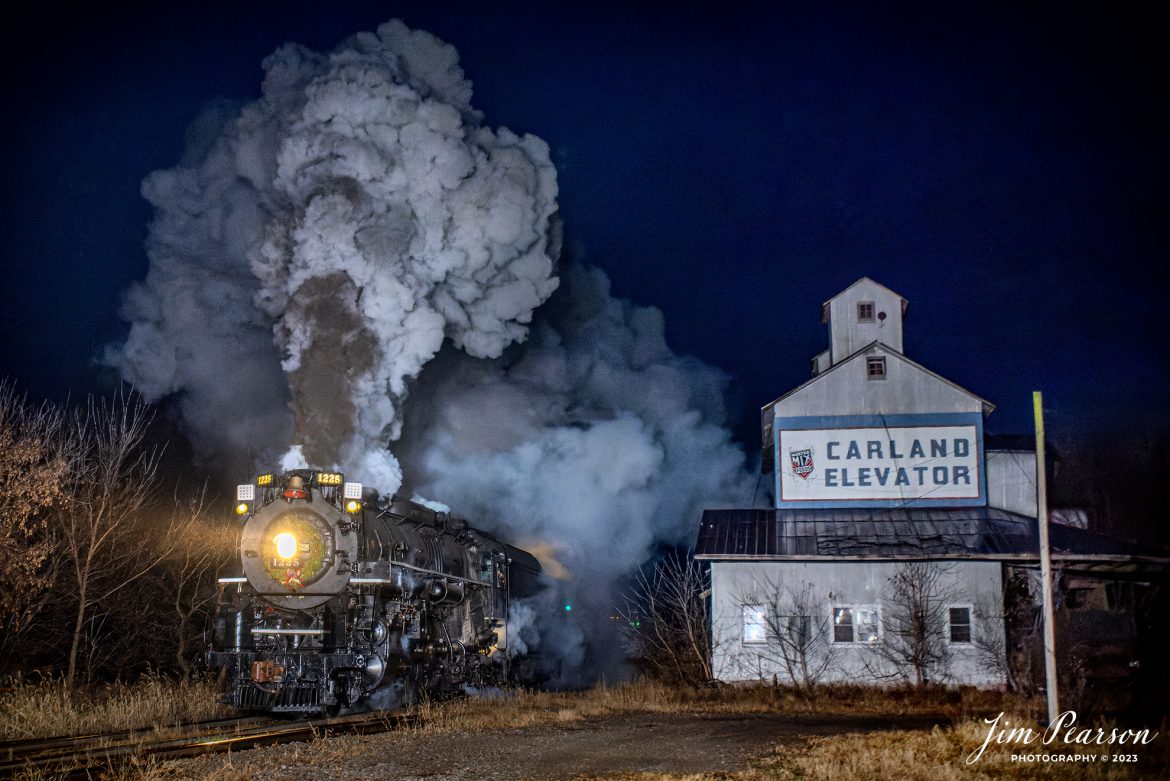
pixel 346 598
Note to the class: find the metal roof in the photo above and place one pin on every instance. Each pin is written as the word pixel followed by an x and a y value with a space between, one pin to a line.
pixel 877 533
pixel 905 303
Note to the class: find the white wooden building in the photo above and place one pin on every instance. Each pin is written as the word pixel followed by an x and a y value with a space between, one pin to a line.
pixel 895 524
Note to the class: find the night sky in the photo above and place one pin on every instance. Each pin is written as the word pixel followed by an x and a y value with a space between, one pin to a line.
pixel 734 165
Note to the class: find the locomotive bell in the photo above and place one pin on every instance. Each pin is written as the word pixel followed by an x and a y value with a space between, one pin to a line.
pixel 295 488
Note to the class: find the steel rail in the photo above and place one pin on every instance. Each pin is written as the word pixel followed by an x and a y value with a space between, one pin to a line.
pixel 11 749
pixel 82 757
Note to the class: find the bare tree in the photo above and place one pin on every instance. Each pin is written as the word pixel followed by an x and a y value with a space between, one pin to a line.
pixel 667 621
pixel 35 457
pixel 796 630
pixel 991 641
pixel 914 623
pixel 202 549
pixel 106 541
pixel 1023 630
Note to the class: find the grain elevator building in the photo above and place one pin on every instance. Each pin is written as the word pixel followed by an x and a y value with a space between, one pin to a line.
pixel 896 526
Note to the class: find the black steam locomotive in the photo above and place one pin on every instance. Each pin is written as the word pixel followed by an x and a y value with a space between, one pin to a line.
pixel 350 599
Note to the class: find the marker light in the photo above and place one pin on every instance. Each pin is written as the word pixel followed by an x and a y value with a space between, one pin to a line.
pixel 242 508
pixel 352 506
pixel 286 545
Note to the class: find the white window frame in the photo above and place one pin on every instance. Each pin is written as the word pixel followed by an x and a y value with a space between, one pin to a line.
pixel 970 625
pixel 872 312
pixel 853 623
pixel 875 360
pixel 759 621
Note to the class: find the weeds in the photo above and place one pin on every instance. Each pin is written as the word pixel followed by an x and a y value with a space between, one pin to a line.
pixel 941 754
pixel 50 709
pixel 530 709
pixel 935 755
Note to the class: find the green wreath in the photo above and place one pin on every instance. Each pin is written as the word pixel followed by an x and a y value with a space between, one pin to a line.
pixel 306 564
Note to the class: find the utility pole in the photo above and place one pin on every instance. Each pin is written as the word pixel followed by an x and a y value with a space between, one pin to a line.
pixel 1045 560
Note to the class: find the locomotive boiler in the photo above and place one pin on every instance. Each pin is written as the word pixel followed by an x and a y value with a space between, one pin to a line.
pixel 346 598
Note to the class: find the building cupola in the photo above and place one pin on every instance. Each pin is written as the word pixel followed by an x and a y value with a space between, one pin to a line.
pixel 862 313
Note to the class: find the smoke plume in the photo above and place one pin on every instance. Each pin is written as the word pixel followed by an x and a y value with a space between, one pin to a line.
pixel 589 447
pixel 355 262
pixel 344 224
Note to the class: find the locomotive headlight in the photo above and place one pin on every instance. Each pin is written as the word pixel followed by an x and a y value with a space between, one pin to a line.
pixel 286 545
pixel 298 547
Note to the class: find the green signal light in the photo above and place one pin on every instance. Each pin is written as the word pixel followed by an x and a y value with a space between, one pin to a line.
pixel 568 607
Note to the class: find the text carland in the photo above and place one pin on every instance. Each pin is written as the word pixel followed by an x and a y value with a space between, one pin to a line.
pixel 845 476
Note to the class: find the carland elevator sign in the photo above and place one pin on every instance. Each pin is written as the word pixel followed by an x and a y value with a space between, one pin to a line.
pixel 883 461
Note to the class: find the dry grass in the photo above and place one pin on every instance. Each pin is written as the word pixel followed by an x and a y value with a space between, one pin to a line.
pixel 911 755
pixel 935 755
pixel 941 754
pixel 49 709
pixel 530 709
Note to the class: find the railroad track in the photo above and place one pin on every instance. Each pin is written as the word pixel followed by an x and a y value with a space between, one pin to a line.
pixel 87 755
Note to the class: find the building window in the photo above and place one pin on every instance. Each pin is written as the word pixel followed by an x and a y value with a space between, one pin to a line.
pixel 755 625
pixel 855 623
pixel 959 624
pixel 865 311
pixel 875 368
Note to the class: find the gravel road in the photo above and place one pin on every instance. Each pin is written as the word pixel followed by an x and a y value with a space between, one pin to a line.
pixel 631 743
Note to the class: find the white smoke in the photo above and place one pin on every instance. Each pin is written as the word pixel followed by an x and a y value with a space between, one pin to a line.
pixel 195 335
pixel 522 636
pixel 596 441
pixel 294 458
pixel 359 214
pixel 353 261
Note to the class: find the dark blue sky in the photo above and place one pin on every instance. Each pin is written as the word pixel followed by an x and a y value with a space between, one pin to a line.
pixel 733 164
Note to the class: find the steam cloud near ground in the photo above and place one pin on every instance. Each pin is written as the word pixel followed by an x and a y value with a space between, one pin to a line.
pixel 353 264
pixel 594 439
